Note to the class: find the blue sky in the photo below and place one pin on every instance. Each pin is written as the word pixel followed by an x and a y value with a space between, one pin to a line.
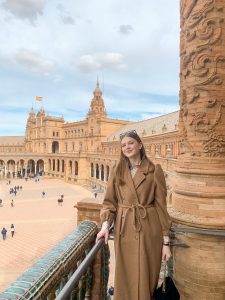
pixel 56 49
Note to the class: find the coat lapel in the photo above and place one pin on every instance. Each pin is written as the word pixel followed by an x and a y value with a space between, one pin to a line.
pixel 141 173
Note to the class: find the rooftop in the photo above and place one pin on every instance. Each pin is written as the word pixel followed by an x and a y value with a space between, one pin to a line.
pixel 12 140
pixel 153 126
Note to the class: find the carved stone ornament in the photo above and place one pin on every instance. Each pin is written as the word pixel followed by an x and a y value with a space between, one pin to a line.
pixel 202 77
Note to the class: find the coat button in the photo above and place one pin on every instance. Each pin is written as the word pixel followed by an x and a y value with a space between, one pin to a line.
pixel 136 236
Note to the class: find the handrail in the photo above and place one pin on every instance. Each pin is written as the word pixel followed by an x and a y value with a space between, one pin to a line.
pixel 69 286
pixel 204 231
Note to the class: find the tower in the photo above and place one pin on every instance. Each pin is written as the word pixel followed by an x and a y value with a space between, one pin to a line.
pixel 97 107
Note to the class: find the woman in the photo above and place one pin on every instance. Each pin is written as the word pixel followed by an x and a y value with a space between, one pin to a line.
pixel 135 201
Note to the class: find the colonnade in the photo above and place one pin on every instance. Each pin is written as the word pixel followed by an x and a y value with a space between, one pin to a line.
pixel 21 168
pixel 99 171
pixel 57 165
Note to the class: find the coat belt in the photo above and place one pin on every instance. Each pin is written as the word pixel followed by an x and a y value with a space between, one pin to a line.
pixel 139 212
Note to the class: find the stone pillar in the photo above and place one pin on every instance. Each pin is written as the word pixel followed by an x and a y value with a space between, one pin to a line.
pixel 15 170
pixel 25 166
pixel 82 171
pixel 105 173
pixel 199 192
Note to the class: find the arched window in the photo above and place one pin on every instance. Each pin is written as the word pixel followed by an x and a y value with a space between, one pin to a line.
pixel 107 173
pixel 55 147
pixel 102 172
pixel 76 168
pixel 97 171
pixel 70 167
pixel 92 170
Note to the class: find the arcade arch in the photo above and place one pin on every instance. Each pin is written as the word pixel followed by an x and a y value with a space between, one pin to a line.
pixel 55 147
pixel 31 170
pixel 40 167
pixel 2 168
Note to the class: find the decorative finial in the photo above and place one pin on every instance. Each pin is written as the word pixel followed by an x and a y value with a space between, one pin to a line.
pixel 97 82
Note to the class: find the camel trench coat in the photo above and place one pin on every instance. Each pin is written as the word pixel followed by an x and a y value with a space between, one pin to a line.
pixel 137 206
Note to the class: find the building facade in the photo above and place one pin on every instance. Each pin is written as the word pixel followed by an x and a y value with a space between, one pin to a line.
pixel 83 152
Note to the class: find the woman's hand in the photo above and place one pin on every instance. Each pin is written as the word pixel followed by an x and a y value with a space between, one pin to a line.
pixel 104 232
pixel 166 253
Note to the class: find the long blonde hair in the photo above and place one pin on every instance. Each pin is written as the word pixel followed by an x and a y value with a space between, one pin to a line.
pixel 124 161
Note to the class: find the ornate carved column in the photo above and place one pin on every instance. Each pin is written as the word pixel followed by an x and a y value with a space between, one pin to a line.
pixel 201 187
pixel 199 193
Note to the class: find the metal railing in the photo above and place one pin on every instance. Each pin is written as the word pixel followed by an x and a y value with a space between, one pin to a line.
pixel 82 268
pixel 203 231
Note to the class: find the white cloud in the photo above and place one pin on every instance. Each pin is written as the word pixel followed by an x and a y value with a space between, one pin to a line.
pixel 68 20
pixel 25 9
pixel 88 63
pixel 33 61
pixel 125 29
pixel 65 17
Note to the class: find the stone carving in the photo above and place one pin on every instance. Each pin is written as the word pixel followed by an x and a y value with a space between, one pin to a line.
pixel 202 76
pixel 214 145
pixel 186 8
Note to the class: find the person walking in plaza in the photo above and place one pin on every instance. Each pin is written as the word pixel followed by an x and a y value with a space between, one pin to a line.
pixel 3 232
pixel 135 201
pixel 43 194
pixel 12 229
pixel 12 203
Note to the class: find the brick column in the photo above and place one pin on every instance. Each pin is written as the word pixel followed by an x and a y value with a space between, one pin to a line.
pixel 199 192
pixel 89 209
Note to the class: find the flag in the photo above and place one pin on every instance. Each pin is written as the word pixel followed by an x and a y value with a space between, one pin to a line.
pixel 39 98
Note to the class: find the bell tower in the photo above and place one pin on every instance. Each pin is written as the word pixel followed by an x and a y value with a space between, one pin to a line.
pixel 97 107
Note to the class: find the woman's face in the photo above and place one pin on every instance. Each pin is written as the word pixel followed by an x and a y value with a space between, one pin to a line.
pixel 130 147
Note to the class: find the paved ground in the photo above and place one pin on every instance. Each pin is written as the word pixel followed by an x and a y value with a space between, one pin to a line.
pixel 39 222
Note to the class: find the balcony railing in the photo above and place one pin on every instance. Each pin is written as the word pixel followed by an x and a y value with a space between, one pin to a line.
pixel 46 278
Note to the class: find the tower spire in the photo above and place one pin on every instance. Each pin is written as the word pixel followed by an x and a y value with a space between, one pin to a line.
pixel 97 83
pixel 97 104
